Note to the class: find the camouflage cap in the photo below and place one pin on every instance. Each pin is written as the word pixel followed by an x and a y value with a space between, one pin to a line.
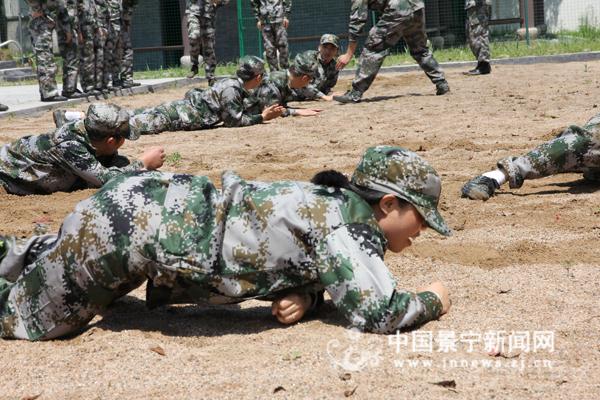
pixel 306 63
pixel 404 174
pixel 105 120
pixel 249 67
pixel 330 38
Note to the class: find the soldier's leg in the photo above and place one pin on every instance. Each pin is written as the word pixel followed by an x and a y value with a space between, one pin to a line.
pixel 194 32
pixel 69 54
pixel 109 53
pixel 413 31
pixel 478 33
pixel 101 38
pixel 383 36
pixel 269 44
pixel 40 29
pixel 172 116
pixel 207 39
pixel 87 58
pixel 126 71
pixel 282 46
pixel 77 276
pixel 574 150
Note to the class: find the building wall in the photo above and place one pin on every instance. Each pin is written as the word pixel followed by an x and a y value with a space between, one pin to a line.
pixel 570 14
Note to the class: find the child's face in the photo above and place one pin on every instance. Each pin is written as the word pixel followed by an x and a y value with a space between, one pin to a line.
pixel 400 224
pixel 328 52
pixel 299 81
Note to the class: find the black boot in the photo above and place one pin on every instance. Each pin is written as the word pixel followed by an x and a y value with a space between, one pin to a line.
pixel 482 68
pixel 193 71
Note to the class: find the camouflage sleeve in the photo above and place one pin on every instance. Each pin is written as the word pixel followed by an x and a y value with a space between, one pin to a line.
pixel 308 93
pixel 352 270
pixel 359 13
pixel 234 114
pixel 76 158
pixel 287 8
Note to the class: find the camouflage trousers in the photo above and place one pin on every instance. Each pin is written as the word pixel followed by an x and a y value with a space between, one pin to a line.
pixel 201 32
pixel 383 36
pixel 574 150
pixel 87 56
pixel 100 48
pixel 125 53
pixel 178 115
pixel 275 40
pixel 40 30
pixel 106 41
pixel 55 284
pixel 70 56
pixel 478 31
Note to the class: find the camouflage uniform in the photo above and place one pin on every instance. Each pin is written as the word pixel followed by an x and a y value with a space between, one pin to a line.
pixel 61 161
pixel 40 30
pixel 87 56
pixel 69 51
pixel 201 109
pixel 102 32
pixel 201 18
pixel 478 32
pixel 323 82
pixel 275 88
pixel 271 14
pixel 399 19
pixel 111 62
pixel 576 149
pixel 196 244
pixel 125 49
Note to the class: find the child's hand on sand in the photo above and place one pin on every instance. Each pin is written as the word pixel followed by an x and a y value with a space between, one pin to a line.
pixel 291 308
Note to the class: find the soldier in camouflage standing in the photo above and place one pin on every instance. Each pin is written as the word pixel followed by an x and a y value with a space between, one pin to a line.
pixel 399 19
pixel 273 19
pixel 87 56
pixel 575 149
pixel 249 240
pixel 125 50
pixel 43 20
pixel 327 75
pixel 111 61
pixel 478 34
pixel 67 31
pixel 80 154
pixel 201 19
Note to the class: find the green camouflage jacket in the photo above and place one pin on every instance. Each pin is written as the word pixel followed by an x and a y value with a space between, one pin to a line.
pixel 224 101
pixel 204 8
pixel 359 12
pixel 60 161
pixel 321 84
pixel 259 240
pixel 271 11
pixel 274 89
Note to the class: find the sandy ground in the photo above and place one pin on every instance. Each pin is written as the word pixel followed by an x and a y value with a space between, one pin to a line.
pixel 522 266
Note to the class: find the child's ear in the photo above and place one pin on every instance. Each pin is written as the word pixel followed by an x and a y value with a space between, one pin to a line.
pixel 387 203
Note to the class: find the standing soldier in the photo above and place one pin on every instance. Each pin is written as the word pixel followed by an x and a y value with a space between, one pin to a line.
pixel 201 15
pixel 125 50
pixel 478 34
pixel 399 19
pixel 273 18
pixel 43 16
pixel 111 62
pixel 67 30
pixel 87 55
pixel 102 27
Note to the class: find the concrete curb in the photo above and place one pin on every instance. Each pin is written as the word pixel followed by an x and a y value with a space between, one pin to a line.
pixel 150 88
pixel 558 58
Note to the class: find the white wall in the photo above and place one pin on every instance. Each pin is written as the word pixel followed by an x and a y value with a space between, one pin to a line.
pixel 568 14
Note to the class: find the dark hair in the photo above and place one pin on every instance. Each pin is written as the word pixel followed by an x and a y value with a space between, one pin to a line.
pixel 336 179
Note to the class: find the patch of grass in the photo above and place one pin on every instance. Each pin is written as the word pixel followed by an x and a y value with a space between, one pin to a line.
pixel 173 159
